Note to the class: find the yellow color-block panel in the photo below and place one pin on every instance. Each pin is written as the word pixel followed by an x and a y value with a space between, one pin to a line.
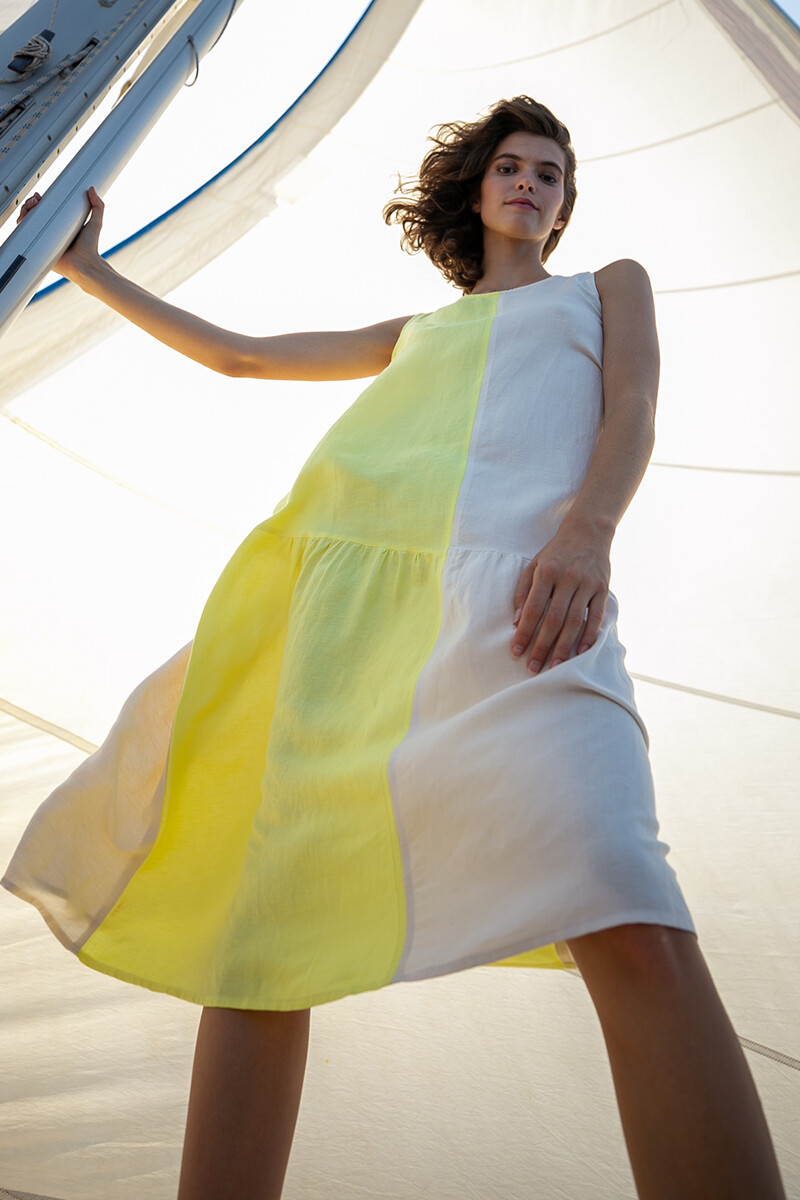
pixel 276 880
pixel 544 956
pixel 323 872
pixel 389 471
pixel 163 930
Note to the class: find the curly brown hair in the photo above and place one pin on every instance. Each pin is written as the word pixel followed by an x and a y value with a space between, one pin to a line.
pixel 436 212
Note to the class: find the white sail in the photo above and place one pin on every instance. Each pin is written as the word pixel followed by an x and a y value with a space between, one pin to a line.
pixel 127 478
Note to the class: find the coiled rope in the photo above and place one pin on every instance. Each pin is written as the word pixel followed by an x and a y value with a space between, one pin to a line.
pixel 63 68
pixel 65 65
pixel 37 49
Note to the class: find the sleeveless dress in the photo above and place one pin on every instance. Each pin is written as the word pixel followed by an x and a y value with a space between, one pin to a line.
pixel 353 782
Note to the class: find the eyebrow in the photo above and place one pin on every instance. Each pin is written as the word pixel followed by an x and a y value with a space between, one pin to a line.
pixel 539 162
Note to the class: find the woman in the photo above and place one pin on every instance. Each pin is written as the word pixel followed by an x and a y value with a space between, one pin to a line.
pixel 406 742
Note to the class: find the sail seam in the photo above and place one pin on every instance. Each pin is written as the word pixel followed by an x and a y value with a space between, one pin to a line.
pixel 29 718
pixel 684 687
pixel 115 479
pixel 512 62
pixel 710 287
pixel 679 137
pixel 726 470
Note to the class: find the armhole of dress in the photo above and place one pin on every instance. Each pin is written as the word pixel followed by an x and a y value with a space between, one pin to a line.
pixel 401 335
pixel 596 292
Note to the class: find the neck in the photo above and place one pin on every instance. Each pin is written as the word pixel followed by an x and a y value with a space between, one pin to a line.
pixel 509 264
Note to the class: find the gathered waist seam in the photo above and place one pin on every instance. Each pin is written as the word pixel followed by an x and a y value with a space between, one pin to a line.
pixel 350 541
pixel 462 547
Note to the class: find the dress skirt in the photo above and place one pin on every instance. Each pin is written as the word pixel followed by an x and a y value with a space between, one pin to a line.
pixel 347 780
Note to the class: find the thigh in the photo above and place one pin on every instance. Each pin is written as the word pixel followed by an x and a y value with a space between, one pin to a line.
pixel 658 954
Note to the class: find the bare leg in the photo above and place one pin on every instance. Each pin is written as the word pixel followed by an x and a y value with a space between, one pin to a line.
pixel 692 1119
pixel 246 1085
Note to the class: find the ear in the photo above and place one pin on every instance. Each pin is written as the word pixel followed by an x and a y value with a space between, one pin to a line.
pixel 559 223
pixel 476 206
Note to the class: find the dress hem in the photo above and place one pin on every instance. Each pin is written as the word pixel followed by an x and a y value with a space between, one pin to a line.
pixel 489 958
pixel 52 923
pixel 485 959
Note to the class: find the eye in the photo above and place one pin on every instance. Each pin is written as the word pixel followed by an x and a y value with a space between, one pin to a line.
pixel 549 178
pixel 503 168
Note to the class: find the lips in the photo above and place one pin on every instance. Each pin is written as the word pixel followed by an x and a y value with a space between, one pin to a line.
pixel 523 204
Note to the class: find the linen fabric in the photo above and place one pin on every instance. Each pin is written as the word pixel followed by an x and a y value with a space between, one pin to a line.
pixel 358 783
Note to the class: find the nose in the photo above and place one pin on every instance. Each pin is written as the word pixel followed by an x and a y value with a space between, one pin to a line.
pixel 525 184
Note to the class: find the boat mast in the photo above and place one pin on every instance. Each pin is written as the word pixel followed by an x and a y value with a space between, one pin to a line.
pixel 27 255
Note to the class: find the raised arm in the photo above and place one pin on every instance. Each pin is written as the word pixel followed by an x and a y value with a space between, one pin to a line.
pixel 346 354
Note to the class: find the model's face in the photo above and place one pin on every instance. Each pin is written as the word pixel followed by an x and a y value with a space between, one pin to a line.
pixel 522 190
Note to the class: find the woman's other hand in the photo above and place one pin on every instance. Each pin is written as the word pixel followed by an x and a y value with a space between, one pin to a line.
pixel 568 576
pixel 83 251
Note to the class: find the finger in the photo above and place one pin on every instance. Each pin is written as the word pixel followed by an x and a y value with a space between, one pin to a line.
pixel 533 609
pixel 597 608
pixel 550 627
pixel 97 205
pixel 27 205
pixel 556 588
pixel 571 629
pixel 521 594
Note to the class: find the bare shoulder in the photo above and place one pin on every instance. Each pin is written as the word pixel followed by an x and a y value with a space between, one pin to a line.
pixel 630 339
pixel 386 333
pixel 623 277
pixel 377 342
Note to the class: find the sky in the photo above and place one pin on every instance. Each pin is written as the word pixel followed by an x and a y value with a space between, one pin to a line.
pixel 792 9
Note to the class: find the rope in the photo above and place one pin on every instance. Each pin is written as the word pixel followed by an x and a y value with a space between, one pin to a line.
pixel 73 60
pixel 190 39
pixel 79 59
pixel 777 1056
pixel 65 65
pixel 37 49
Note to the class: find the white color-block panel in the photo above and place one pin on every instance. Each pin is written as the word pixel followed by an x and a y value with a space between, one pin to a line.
pixel 539 787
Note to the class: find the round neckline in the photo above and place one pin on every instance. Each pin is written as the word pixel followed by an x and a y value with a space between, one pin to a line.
pixel 505 291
